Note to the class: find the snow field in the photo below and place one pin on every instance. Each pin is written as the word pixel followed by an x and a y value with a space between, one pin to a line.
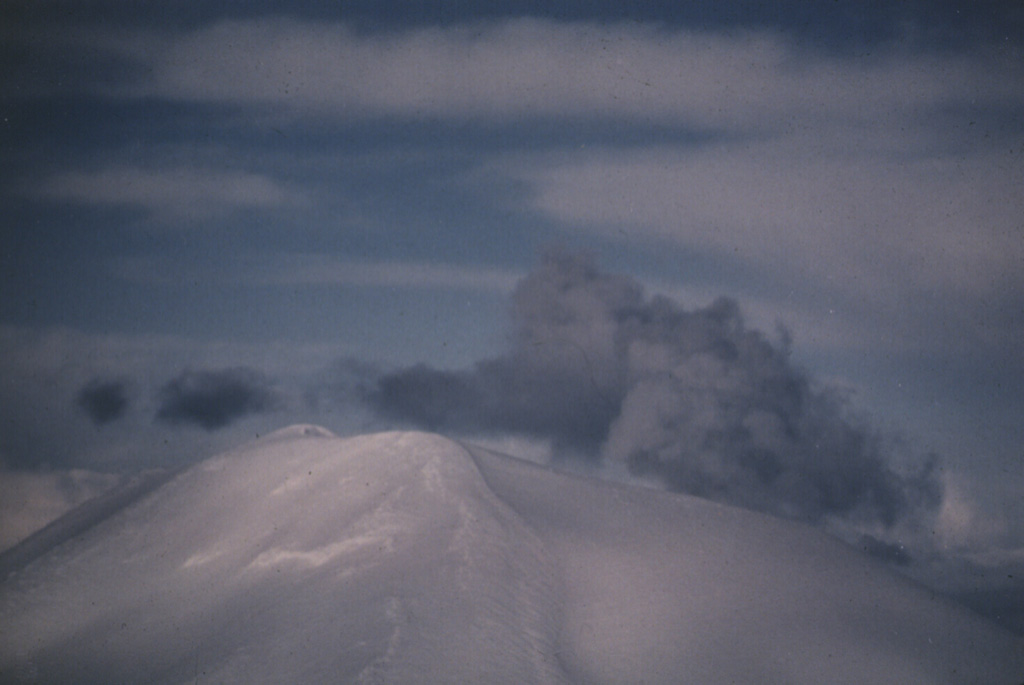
pixel 409 558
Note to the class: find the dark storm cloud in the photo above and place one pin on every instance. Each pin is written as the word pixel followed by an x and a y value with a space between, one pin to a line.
pixel 694 398
pixel 213 399
pixel 104 400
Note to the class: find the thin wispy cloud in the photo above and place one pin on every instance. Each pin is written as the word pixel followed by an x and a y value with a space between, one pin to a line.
pixel 308 269
pixel 840 169
pixel 323 270
pixel 176 191
pixel 844 170
pixel 877 223
pixel 529 67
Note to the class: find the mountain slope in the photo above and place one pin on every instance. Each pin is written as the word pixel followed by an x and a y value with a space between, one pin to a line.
pixel 406 557
pixel 673 588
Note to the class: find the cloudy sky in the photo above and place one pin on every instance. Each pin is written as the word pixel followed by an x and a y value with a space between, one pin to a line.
pixel 767 252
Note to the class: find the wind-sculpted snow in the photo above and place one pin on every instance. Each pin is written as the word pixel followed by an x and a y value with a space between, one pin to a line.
pixel 408 558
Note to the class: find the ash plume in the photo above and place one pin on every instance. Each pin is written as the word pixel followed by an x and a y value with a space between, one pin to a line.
pixel 694 398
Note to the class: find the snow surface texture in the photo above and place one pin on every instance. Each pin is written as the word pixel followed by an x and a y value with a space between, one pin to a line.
pixel 409 558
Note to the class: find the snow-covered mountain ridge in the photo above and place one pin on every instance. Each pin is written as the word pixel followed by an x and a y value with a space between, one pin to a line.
pixel 409 558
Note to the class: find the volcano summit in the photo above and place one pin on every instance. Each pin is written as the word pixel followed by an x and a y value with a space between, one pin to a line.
pixel 410 558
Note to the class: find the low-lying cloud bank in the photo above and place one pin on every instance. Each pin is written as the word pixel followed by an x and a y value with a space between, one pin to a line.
pixel 694 398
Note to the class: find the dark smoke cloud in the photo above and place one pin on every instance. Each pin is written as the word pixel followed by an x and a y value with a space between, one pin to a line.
pixel 694 398
pixel 104 400
pixel 214 399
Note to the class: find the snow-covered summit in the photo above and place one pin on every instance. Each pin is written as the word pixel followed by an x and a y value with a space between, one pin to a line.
pixel 299 430
pixel 409 558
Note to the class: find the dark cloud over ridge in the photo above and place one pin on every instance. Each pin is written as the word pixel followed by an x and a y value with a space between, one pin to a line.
pixel 104 400
pixel 213 399
pixel 691 397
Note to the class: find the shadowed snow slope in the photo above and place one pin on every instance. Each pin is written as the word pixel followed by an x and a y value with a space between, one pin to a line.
pixel 409 558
